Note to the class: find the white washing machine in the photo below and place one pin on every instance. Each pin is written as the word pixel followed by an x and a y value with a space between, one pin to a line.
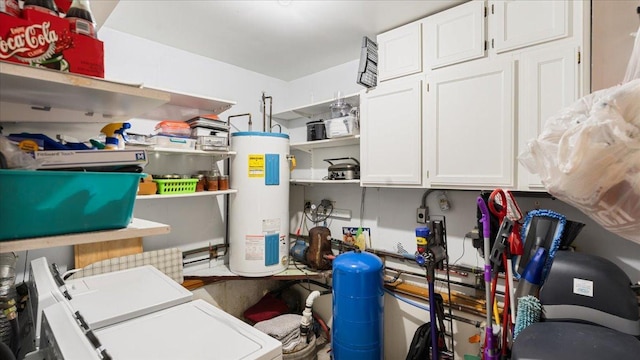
pixel 195 330
pixel 104 299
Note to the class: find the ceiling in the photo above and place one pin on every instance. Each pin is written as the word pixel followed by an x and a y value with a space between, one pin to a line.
pixel 285 39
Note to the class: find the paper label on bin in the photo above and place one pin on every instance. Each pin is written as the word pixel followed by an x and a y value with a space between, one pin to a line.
pixel 583 287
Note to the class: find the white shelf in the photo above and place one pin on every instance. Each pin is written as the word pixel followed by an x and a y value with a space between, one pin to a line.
pixel 190 152
pixel 66 97
pixel 195 194
pixel 31 94
pixel 332 182
pixel 137 228
pixel 308 146
pixel 183 106
pixel 311 110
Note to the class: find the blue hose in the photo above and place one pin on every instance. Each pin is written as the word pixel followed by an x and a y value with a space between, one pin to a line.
pixel 410 302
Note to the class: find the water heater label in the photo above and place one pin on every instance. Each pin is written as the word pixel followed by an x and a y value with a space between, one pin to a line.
pixel 256 165
pixel 254 247
pixel 270 225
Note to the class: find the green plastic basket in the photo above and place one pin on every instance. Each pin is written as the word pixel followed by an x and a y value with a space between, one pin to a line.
pixel 45 203
pixel 177 186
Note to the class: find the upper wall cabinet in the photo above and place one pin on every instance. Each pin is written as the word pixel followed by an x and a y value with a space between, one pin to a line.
pixel 390 144
pixel 548 81
pixel 400 51
pixel 470 136
pixel 467 31
pixel 521 23
pixel 455 35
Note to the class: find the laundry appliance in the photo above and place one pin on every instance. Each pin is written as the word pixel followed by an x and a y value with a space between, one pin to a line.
pixel 195 330
pixel 103 299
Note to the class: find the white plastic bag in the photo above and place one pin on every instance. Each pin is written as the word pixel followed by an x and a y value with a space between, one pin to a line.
pixel 588 155
pixel 633 68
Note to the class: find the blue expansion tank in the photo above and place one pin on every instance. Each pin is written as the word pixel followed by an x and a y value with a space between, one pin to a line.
pixel 358 307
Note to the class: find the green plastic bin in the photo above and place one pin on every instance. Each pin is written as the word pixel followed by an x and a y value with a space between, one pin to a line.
pixel 46 203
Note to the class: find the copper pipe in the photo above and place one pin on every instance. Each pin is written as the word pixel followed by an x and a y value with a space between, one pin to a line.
pixel 264 112
pixel 229 123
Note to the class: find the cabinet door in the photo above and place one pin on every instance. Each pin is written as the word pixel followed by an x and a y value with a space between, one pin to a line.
pixel 390 134
pixel 400 51
pixel 548 83
pixel 521 23
pixel 455 35
pixel 470 130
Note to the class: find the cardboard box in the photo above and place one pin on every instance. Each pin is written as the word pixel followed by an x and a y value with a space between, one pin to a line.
pixel 43 40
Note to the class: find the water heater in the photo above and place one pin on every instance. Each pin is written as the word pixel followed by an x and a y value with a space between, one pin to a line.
pixel 358 307
pixel 259 211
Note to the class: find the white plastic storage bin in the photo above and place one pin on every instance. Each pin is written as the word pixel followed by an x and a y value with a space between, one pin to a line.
pixel 342 126
pixel 161 141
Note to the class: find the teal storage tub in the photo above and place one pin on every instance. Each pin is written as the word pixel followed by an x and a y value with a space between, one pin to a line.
pixel 46 203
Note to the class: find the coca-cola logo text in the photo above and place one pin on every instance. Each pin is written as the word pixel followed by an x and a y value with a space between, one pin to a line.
pixel 30 42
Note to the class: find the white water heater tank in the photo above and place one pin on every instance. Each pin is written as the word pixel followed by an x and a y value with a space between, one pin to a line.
pixel 259 211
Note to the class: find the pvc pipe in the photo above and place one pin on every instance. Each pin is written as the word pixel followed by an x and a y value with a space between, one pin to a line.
pixel 307 315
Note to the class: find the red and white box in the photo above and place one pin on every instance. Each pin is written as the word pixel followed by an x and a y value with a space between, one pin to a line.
pixel 43 40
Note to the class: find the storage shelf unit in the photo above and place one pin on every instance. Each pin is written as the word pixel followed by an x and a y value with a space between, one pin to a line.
pixel 311 110
pixel 194 194
pixel 308 146
pixel 137 228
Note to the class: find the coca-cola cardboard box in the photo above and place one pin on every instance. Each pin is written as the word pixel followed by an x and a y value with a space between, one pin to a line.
pixel 43 40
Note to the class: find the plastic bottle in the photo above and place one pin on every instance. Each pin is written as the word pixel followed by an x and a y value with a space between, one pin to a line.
pixel 10 7
pixel 115 133
pixel 46 6
pixel 81 19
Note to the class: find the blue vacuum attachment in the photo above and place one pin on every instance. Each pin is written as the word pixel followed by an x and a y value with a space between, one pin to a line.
pixel 541 229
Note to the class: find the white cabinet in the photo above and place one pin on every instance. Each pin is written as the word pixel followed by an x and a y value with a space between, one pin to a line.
pixel 470 135
pixel 400 51
pixel 391 130
pixel 467 31
pixel 521 23
pixel 548 82
pixel 455 35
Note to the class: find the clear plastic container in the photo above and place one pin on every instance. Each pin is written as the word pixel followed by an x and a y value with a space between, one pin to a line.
pixel 343 126
pixel 173 128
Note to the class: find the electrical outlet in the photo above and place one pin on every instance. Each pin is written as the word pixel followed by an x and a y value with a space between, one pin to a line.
pixel 421 215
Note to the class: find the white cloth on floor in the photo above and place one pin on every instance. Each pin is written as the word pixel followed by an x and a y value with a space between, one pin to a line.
pixel 286 329
pixel 280 327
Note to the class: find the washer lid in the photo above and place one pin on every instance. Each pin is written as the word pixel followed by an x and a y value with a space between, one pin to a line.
pixel 194 330
pixel 112 297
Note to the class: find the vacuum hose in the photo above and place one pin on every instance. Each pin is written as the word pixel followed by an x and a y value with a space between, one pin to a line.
pixel 307 315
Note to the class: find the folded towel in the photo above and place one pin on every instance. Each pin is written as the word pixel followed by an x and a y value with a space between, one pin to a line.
pixel 294 336
pixel 280 326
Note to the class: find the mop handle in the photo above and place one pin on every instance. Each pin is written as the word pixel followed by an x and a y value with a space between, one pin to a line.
pixel 489 352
